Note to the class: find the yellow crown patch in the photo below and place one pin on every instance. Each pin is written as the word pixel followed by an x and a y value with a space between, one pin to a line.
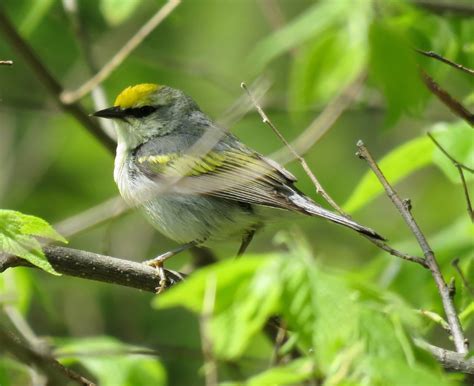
pixel 138 95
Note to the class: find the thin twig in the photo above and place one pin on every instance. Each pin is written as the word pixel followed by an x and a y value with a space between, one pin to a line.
pixel 6 62
pixel 319 189
pixel 434 55
pixel 51 84
pixel 459 166
pixel 93 266
pixel 451 158
pixel 460 341
pixel 470 211
pixel 454 105
pixel 469 287
pixel 402 255
pixel 68 97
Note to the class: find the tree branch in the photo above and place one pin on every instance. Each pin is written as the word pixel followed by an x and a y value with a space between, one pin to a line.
pixel 56 373
pixel 455 106
pixel 404 207
pixel 450 360
pixel 6 62
pixel 51 84
pixel 92 266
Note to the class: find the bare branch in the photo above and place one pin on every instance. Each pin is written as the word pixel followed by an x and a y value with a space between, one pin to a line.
pixel 68 97
pixel 434 55
pixel 51 84
pixel 459 166
pixel 460 341
pixel 6 62
pixel 92 266
pixel 56 373
pixel 450 360
pixel 470 211
pixel 382 245
pixel 451 158
pixel 455 106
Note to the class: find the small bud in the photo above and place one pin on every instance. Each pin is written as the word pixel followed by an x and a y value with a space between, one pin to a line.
pixel 407 204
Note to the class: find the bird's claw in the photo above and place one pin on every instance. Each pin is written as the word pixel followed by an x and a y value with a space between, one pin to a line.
pixel 163 283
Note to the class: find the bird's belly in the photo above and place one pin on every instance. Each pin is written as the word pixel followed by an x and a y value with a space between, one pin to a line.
pixel 181 217
pixel 186 218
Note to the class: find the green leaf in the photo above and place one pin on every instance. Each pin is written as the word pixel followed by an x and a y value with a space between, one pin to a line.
pixel 112 362
pixel 247 293
pixel 325 67
pixel 16 231
pixel 117 11
pixel 457 139
pixel 294 372
pixel 400 162
pixel 316 305
pixel 230 275
pixel 394 69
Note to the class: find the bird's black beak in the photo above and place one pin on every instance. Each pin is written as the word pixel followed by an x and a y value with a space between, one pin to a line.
pixel 110 113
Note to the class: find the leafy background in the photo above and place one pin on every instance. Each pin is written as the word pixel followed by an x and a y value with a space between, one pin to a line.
pixel 355 305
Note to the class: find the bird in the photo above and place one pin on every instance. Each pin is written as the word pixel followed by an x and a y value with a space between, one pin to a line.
pixel 195 181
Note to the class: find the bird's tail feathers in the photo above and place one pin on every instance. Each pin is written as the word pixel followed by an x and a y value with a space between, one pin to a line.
pixel 309 207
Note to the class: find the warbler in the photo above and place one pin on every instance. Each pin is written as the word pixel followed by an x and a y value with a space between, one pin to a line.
pixel 194 180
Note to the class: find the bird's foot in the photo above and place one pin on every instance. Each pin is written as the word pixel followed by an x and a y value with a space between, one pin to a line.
pixel 157 263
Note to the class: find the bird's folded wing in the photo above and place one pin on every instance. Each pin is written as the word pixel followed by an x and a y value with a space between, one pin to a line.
pixel 234 173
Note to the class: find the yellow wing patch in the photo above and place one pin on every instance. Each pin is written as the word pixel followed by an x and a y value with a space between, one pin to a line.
pixel 138 95
pixel 183 165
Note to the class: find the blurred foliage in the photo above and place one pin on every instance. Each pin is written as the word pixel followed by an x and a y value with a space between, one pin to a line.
pixel 350 309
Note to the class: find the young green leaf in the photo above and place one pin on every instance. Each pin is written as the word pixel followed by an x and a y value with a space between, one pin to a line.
pixel 16 237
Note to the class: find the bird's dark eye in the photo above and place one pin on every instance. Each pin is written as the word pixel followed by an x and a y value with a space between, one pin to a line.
pixel 140 112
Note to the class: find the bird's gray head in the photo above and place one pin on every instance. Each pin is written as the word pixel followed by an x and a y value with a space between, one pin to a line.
pixel 147 110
